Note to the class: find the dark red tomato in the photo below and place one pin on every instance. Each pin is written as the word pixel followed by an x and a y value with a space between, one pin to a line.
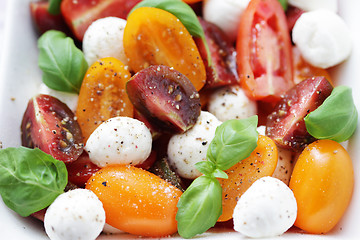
pixel 223 70
pixel 292 15
pixel 286 125
pixel 146 165
pixel 44 21
pixel 80 14
pixel 81 170
pixel 48 124
pixel 264 51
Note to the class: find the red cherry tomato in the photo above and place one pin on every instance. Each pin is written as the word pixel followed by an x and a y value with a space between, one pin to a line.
pixel 264 51
pixel 80 14
pixel 81 170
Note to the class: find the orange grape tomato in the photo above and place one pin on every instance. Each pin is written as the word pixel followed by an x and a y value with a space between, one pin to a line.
pixel 322 182
pixel 303 69
pixel 103 95
pixel 262 162
pixel 156 37
pixel 136 201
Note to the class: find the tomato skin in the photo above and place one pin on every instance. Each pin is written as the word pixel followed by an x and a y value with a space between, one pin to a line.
pixel 322 182
pixel 80 14
pixel 102 95
pixel 262 162
pixel 154 36
pixel 263 47
pixel 81 170
pixel 136 201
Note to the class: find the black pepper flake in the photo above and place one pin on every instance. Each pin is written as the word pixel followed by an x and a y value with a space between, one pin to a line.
pixel 204 143
pixel 104 183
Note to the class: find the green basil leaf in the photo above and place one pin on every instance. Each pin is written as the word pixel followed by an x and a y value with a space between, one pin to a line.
pixel 234 141
pixel 62 63
pixel 205 167
pixel 184 13
pixel 336 118
pixel 284 4
pixel 199 206
pixel 30 179
pixel 54 7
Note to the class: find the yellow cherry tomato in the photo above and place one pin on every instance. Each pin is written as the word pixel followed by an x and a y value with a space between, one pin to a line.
pixel 322 182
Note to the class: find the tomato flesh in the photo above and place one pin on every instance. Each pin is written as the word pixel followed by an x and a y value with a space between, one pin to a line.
pixel 264 51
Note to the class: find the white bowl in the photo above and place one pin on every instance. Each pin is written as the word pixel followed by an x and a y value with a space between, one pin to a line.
pixel 20 79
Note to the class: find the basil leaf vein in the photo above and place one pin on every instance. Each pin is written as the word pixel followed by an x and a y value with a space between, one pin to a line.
pixel 62 63
pixel 336 118
pixel 30 179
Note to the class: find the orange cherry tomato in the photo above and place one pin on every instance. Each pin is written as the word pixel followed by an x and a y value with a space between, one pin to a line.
pixel 156 37
pixel 303 70
pixel 103 95
pixel 322 182
pixel 136 201
pixel 264 51
pixel 262 162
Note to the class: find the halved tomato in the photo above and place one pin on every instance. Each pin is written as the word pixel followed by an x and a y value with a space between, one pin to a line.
pixel 153 36
pixel 80 14
pixel 264 51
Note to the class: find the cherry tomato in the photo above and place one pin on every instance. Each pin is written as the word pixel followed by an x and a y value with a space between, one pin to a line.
pixel 303 70
pixel 262 162
pixel 322 182
pixel 81 170
pixel 156 37
pixel 102 95
pixel 136 201
pixel 48 124
pixel 264 51
pixel 80 14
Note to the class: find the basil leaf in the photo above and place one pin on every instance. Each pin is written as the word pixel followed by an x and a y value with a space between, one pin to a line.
pixel 54 7
pixel 336 118
pixel 184 13
pixel 62 63
pixel 234 141
pixel 205 167
pixel 30 179
pixel 199 206
pixel 284 4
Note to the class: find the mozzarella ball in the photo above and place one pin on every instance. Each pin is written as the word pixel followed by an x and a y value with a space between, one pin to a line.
pixel 310 5
pixel 231 103
pixel 225 14
pixel 119 140
pixel 104 38
pixel 70 99
pixel 267 209
pixel 323 38
pixel 285 165
pixel 76 214
pixel 188 148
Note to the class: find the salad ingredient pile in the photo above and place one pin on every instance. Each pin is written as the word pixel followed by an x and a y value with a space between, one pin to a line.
pixel 189 115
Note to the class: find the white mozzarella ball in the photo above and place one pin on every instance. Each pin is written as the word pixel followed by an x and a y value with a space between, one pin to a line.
pixel 310 5
pixel 267 209
pixel 104 38
pixel 231 103
pixel 188 148
pixel 70 99
pixel 225 14
pixel 285 165
pixel 77 214
pixel 323 38
pixel 119 140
